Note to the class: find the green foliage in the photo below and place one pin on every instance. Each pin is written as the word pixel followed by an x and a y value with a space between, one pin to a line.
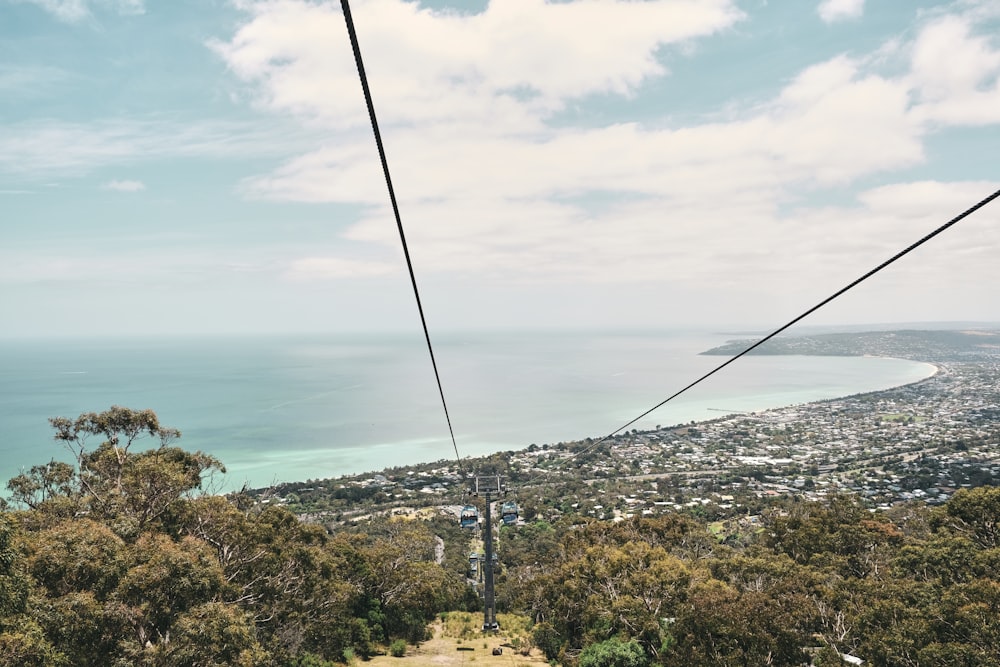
pixel 124 561
pixel 213 635
pixel 977 512
pixel 130 491
pixel 820 573
pixel 548 639
pixel 13 581
pixel 43 484
pixel 724 625
pixel 168 578
pixel 85 629
pixel 78 555
pixel 623 583
pixel 840 537
pixel 827 657
pixel 408 585
pixel 613 653
pixel 28 647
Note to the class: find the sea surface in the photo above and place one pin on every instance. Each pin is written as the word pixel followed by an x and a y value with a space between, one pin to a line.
pixel 298 408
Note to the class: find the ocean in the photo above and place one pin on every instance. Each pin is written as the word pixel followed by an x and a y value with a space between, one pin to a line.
pixel 312 407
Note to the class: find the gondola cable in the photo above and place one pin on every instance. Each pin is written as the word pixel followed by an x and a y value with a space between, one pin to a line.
pixel 490 622
pixel 395 210
pixel 819 305
pixel 392 196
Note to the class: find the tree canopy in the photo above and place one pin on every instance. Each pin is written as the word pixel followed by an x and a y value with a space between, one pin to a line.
pixel 125 558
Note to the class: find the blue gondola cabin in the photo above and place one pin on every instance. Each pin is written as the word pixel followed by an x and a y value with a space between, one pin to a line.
pixel 469 517
pixel 509 513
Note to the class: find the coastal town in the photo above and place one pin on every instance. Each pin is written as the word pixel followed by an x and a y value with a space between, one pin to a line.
pixel 919 442
pixel 824 531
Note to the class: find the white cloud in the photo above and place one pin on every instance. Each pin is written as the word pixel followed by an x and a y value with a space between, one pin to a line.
pixel 839 10
pixel 142 257
pixel 926 200
pixel 964 255
pixel 333 268
pixel 64 10
pixel 499 193
pixel 72 11
pixel 819 130
pixel 124 186
pixel 68 266
pixel 509 66
pixel 490 187
pixel 748 211
pixel 956 73
pixel 39 149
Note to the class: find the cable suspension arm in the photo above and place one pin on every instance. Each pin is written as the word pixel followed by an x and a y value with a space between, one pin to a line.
pixel 819 305
pixel 395 210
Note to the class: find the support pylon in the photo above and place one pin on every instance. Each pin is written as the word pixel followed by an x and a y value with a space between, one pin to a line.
pixel 490 487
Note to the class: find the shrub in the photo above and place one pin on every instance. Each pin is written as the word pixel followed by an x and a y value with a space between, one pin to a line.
pixel 397 648
pixel 548 640
pixel 614 653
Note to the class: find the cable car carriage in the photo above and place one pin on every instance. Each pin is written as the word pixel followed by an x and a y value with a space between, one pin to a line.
pixel 469 517
pixel 509 513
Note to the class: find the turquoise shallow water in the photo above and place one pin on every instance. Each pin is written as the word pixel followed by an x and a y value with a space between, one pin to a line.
pixel 279 409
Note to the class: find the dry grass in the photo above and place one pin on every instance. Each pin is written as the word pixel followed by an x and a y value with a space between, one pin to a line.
pixel 462 629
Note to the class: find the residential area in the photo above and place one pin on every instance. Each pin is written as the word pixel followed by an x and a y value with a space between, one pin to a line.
pixel 919 442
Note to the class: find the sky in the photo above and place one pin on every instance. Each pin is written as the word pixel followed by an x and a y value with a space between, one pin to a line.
pixel 208 167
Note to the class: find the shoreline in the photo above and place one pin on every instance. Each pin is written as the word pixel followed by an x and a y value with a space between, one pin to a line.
pixel 508 395
pixel 937 369
pixel 564 446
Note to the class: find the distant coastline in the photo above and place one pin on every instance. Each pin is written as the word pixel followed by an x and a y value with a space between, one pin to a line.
pixel 724 414
pixel 929 346
pixel 274 410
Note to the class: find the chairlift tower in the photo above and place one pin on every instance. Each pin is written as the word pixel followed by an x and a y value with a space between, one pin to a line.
pixel 490 487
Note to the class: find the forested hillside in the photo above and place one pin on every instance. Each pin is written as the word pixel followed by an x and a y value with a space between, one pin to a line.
pixel 123 559
pixel 933 345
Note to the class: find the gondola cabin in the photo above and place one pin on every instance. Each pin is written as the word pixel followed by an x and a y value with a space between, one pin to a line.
pixel 509 513
pixel 469 517
pixel 473 563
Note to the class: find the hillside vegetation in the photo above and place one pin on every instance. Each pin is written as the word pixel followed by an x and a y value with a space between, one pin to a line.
pixel 923 345
pixel 122 559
